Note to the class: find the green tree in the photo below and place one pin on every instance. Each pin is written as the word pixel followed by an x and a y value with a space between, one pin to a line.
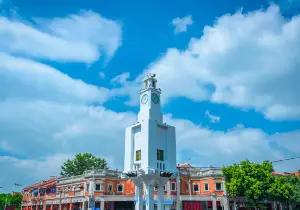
pixel 249 180
pixel 285 189
pixel 14 199
pixel 81 163
pixel 256 183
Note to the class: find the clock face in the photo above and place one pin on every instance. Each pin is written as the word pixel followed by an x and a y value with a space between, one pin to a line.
pixel 144 99
pixel 155 98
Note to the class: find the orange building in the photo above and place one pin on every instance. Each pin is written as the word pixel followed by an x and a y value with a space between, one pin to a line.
pixel 194 189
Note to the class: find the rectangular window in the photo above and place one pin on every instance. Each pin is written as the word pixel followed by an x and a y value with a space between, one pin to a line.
pixel 160 155
pixel 206 187
pixel 138 155
pixel 120 188
pixel 196 188
pixel 98 187
pixel 218 186
pixel 173 186
pixel 109 188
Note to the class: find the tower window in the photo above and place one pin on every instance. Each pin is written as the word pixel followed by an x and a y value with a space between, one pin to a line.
pixel 138 155
pixel 160 155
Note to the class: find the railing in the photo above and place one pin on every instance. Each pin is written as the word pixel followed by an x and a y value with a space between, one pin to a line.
pixel 201 173
pixel 102 172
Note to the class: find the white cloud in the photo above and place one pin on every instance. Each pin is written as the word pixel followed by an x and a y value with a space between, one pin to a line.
pixel 41 107
pixel 121 79
pixel 77 128
pixel 46 116
pixel 181 24
pixel 245 60
pixel 80 37
pixel 32 170
pixel 23 78
pixel 204 147
pixel 212 118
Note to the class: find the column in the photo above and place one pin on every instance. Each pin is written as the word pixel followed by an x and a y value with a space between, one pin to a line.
pixel 70 206
pixel 160 197
pixel 51 207
pixel 225 203
pixel 84 205
pixel 274 206
pixel 214 204
pixel 149 197
pixel 102 205
pixel 234 205
pixel 138 197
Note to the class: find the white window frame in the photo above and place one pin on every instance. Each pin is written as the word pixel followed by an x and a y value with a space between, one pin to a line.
pixel 194 184
pixel 118 188
pixel 216 186
pixel 175 184
pixel 206 183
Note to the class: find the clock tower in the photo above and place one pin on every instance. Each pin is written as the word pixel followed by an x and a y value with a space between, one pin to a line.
pixel 150 148
pixel 150 100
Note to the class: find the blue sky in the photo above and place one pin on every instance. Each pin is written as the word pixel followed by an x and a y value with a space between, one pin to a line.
pixel 70 74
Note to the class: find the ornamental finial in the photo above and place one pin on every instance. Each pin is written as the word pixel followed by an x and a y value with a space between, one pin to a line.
pixel 150 81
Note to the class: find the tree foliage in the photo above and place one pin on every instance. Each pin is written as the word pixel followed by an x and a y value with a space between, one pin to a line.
pixel 14 199
pixel 255 182
pixel 81 163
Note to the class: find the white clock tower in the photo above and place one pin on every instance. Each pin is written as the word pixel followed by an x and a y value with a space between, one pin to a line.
pixel 150 148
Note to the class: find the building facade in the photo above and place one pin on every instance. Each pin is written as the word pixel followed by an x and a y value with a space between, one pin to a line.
pixel 193 189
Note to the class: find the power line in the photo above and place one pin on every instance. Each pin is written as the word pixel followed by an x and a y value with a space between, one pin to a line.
pixel 218 167
pixel 280 160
